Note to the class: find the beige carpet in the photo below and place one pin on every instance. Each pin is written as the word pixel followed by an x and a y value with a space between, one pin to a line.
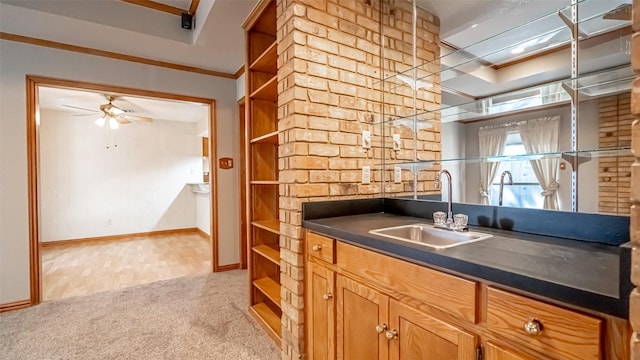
pixel 199 317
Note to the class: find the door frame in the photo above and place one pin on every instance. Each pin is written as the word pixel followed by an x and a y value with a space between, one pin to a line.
pixel 33 82
pixel 242 115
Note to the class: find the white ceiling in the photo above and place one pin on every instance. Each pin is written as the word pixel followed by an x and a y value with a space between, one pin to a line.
pixel 70 100
pixel 215 44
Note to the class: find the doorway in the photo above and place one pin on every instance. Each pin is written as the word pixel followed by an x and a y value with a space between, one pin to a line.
pixel 162 225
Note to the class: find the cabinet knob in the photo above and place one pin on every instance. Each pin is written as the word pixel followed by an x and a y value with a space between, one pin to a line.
pixel 391 334
pixel 533 327
pixel 327 296
pixel 381 328
pixel 316 247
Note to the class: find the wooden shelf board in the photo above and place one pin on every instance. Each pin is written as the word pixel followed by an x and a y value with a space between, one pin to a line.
pixel 267 61
pixel 268 252
pixel 272 225
pixel 265 182
pixel 270 288
pixel 271 138
pixel 267 319
pixel 268 91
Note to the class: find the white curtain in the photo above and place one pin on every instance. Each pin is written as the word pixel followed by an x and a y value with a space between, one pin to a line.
pixel 540 136
pixel 492 142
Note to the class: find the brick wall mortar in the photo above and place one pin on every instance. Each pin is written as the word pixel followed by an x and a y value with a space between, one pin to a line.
pixel 329 65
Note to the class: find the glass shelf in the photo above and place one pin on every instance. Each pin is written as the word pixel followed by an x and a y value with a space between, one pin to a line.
pixel 525 39
pixel 566 155
pixel 589 86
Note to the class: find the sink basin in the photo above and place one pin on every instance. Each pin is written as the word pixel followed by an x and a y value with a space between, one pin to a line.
pixel 427 235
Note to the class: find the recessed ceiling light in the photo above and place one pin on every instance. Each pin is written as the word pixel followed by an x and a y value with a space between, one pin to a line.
pixel 518 50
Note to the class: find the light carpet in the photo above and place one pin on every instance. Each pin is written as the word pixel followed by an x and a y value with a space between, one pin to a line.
pixel 198 317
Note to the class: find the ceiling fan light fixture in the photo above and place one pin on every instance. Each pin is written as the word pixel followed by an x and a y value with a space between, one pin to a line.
pixel 113 110
pixel 113 123
pixel 101 121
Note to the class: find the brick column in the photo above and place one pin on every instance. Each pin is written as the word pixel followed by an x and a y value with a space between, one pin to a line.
pixel 634 311
pixel 329 68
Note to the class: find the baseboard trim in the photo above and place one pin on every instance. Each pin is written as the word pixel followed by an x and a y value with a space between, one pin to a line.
pixel 203 234
pixel 16 305
pixel 119 237
pixel 227 267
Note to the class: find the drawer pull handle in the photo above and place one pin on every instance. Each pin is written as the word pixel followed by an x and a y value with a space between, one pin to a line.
pixel 316 247
pixel 391 334
pixel 327 296
pixel 381 328
pixel 533 327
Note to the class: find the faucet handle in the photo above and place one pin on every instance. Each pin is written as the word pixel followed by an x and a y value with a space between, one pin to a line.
pixel 436 184
pixel 460 221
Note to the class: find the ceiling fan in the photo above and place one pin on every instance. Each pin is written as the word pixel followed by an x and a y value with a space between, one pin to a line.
pixel 111 114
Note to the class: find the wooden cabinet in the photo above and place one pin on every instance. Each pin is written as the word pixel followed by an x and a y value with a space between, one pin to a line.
pixel 261 149
pixel 496 352
pixel 365 305
pixel 547 329
pixel 321 312
pixel 347 319
pixel 361 317
pixel 417 335
pixel 370 325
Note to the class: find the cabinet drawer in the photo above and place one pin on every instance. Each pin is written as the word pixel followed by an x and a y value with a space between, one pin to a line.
pixel 562 334
pixel 446 292
pixel 321 247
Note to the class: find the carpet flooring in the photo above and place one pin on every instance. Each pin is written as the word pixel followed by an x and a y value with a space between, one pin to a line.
pixel 198 317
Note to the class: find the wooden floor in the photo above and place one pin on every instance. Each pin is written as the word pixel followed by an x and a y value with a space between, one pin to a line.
pixel 98 265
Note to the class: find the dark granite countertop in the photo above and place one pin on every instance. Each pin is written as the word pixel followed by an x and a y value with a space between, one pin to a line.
pixel 584 274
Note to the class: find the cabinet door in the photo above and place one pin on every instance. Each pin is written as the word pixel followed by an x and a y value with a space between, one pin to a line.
pixel 496 352
pixel 420 336
pixel 320 312
pixel 359 311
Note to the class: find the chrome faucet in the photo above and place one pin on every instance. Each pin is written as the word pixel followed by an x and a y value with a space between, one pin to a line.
pixel 506 172
pixel 449 221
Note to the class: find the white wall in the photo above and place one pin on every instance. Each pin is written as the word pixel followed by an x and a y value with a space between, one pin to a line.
pixel 203 218
pixel 240 87
pixel 97 181
pixel 18 60
pixel 454 147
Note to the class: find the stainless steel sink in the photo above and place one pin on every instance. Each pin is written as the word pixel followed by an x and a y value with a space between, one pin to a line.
pixel 427 235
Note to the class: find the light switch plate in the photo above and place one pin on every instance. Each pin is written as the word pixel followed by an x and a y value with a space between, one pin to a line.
pixel 396 141
pixel 366 175
pixel 397 174
pixel 366 139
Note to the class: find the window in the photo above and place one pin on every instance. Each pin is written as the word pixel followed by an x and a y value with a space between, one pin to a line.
pixel 525 191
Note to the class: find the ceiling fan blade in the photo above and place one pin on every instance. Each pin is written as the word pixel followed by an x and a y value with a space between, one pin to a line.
pixel 122 120
pixel 80 108
pixel 83 115
pixel 139 118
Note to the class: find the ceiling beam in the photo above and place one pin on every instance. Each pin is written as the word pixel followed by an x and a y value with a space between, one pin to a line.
pixel 194 6
pixel 160 7
pixel 109 54
pixel 585 43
